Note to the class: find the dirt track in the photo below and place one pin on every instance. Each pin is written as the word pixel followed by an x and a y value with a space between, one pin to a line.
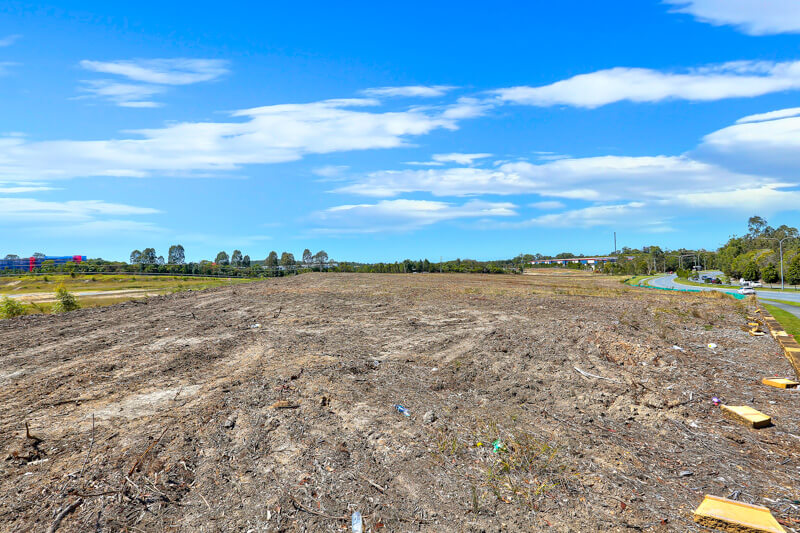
pixel 188 434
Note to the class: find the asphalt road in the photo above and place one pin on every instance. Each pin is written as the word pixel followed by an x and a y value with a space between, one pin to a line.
pixel 668 281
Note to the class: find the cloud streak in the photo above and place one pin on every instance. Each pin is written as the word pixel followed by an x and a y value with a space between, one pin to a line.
pixel 738 79
pixel 146 78
pixel 409 91
pixel 391 216
pixel 30 209
pixel 9 40
pixel 176 71
pixel 750 17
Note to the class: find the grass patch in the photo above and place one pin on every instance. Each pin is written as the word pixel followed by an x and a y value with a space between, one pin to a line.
pixel 796 304
pixel 10 308
pixel 789 322
pixel 638 280
pixel 684 281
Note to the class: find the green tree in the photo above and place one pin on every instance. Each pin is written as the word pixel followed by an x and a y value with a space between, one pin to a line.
pixel 307 257
pixel 160 260
pixel 176 255
pixel 287 259
pixel 770 273
pixel 236 258
pixel 149 256
pixel 12 256
pixel 756 225
pixel 272 259
pixel 751 272
pixel 136 257
pixel 246 261
pixel 792 274
pixel 321 257
pixel 222 259
pixel 38 255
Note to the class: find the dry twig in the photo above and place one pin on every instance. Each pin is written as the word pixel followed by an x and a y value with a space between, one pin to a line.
pixel 152 445
pixel 68 509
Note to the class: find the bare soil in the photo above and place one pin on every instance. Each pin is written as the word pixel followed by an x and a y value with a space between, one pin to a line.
pixel 270 407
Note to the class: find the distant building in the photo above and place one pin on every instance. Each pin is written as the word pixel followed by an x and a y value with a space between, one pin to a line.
pixel 29 263
pixel 578 260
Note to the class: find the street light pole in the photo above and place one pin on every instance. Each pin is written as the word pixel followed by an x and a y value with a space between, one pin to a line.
pixel 780 251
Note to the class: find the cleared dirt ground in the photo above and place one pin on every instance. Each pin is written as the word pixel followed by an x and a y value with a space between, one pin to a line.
pixel 205 422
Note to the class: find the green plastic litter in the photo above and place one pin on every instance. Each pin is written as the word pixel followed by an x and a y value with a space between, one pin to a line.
pixel 734 294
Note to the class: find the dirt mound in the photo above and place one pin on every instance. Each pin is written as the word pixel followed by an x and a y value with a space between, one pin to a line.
pixel 536 403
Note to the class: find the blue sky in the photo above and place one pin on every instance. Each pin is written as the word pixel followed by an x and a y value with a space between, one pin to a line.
pixel 379 132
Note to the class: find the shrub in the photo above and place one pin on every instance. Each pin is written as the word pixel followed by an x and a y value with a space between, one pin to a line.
pixel 10 308
pixel 66 301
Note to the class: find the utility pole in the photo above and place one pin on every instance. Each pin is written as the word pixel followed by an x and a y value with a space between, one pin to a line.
pixel 615 243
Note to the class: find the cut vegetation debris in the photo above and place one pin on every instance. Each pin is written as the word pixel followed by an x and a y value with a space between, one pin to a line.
pixel 202 423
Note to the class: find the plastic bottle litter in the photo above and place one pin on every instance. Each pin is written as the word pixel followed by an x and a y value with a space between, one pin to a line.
pixel 676 347
pixel 356 523
pixel 498 446
pixel 712 345
pixel 715 400
pixel 402 410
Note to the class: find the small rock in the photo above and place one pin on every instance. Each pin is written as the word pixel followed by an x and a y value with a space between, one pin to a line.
pixel 429 417
pixel 230 422
pixel 685 473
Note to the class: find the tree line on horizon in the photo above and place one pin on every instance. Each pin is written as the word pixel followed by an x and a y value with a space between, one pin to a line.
pixel 752 256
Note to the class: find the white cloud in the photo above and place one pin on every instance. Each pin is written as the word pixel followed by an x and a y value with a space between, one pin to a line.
pixel 176 71
pixel 728 80
pixel 331 172
pixel 772 115
pixel 606 179
pixel 765 199
pixel 588 217
pixel 107 228
pixel 7 189
pixel 269 134
pixel 148 77
pixel 466 107
pixel 768 147
pixel 32 210
pixel 548 205
pixel 9 40
pixel 124 94
pixel 459 158
pixel 753 17
pixel 440 160
pixel 413 91
pixel 404 215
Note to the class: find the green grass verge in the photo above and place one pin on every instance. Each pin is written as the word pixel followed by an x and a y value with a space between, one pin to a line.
pixel 789 322
pixel 639 280
pixel 796 304
pixel 684 281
